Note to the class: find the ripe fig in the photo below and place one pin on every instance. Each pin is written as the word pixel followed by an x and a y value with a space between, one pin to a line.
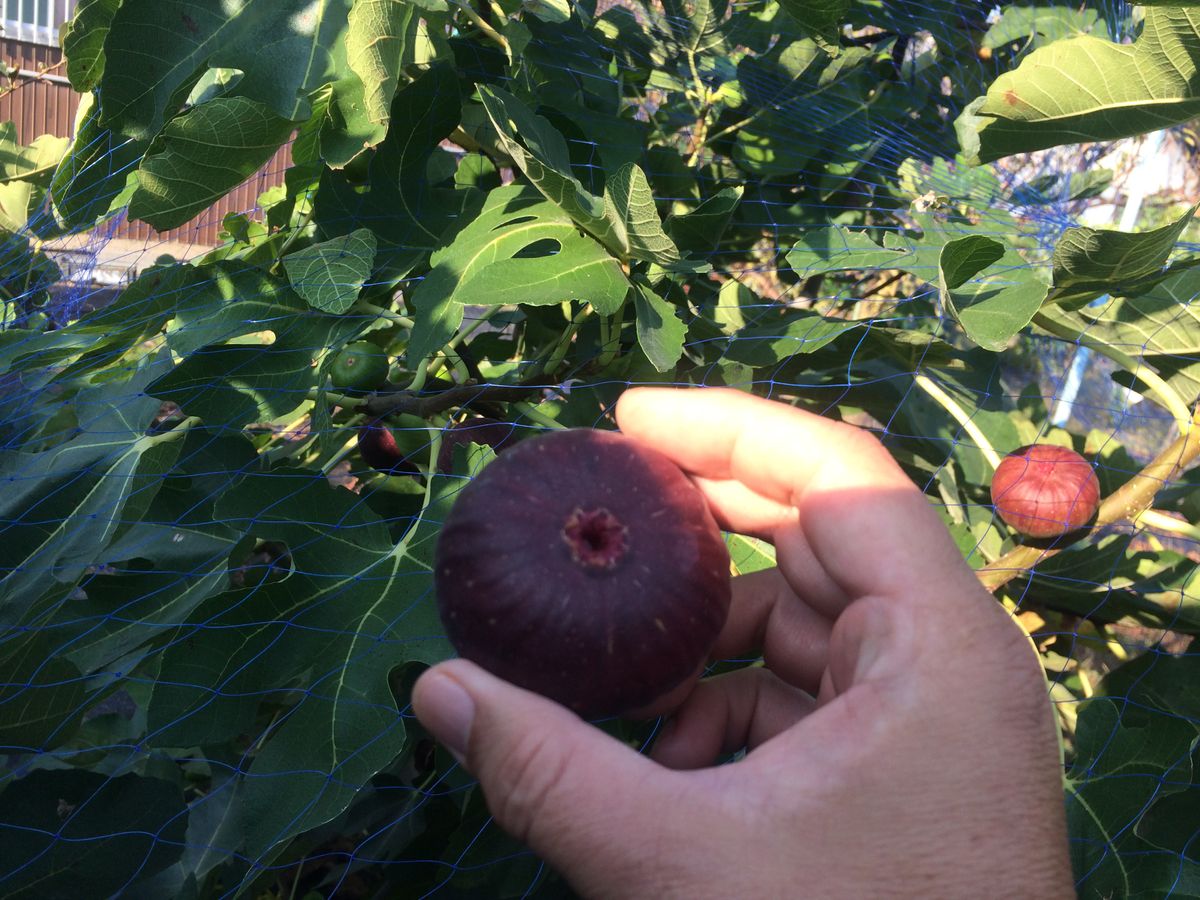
pixel 1044 490
pixel 476 430
pixel 395 450
pixel 361 367
pixel 586 567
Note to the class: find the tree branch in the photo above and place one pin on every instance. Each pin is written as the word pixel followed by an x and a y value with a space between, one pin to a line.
pixel 465 395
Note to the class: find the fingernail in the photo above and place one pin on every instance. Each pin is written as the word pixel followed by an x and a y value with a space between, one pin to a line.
pixel 448 712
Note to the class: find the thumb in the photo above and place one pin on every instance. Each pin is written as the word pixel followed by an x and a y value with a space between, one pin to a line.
pixel 589 805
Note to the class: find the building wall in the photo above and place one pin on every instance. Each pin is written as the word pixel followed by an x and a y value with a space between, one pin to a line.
pixel 47 105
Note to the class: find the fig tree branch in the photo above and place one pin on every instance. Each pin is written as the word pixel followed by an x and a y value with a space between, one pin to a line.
pixel 463 395
pixel 1126 503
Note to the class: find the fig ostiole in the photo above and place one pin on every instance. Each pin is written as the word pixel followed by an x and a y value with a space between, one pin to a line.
pixel 1045 491
pixel 360 367
pixel 587 567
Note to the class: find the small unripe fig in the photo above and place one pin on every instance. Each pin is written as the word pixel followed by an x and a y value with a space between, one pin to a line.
pixel 475 430
pixel 586 567
pixel 1044 490
pixel 361 367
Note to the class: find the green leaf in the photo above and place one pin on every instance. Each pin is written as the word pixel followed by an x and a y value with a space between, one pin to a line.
pixel 98 175
pixel 1135 743
pixel 201 156
pixel 64 506
pixel 698 25
pixel 157 50
pixel 819 19
pixel 239 383
pixel 835 249
pixel 346 132
pixel 330 275
pixel 781 337
pixel 963 258
pixel 659 330
pixel 406 214
pixel 809 102
pixel 379 32
pixel 1096 261
pixel 701 229
pixel 140 604
pixel 1038 25
pixel 353 608
pixel 25 173
pixel 41 693
pixel 1161 321
pixel 554 11
pixel 1090 89
pixel 541 153
pixel 630 201
pixel 83 39
pixel 989 289
pixel 519 248
pixel 749 554
pixel 71 833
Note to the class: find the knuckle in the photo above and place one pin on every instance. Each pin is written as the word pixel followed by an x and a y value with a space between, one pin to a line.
pixel 528 781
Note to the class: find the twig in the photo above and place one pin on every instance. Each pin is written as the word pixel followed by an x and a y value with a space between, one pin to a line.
pixel 929 386
pixel 1125 503
pixel 463 395
pixel 479 22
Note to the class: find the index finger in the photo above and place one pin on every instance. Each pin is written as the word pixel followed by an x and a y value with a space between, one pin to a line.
pixel 869 527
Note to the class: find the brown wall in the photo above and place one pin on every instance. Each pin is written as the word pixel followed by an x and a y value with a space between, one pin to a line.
pixel 47 106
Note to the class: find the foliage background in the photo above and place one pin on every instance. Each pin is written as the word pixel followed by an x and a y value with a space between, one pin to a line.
pixel 211 609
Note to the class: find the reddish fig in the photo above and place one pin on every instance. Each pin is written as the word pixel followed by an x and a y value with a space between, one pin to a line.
pixel 586 567
pixel 1044 490
pixel 476 430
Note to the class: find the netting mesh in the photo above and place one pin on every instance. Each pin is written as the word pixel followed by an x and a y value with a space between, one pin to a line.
pixel 206 650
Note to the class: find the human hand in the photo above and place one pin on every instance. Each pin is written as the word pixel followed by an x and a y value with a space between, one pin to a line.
pixel 901 740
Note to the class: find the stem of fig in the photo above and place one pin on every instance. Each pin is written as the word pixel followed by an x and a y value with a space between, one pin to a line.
pixel 338 399
pixel 436 365
pixel 610 336
pixel 419 375
pixel 345 450
pixel 530 412
pixel 1160 521
pixel 948 403
pixel 380 313
pixel 564 342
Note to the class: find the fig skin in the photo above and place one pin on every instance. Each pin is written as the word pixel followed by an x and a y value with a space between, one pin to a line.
pixel 1045 491
pixel 359 368
pixel 586 567
pixel 378 448
pixel 475 430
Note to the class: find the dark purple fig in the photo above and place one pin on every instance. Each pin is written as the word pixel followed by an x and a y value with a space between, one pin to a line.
pixel 476 430
pixel 378 448
pixel 586 567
